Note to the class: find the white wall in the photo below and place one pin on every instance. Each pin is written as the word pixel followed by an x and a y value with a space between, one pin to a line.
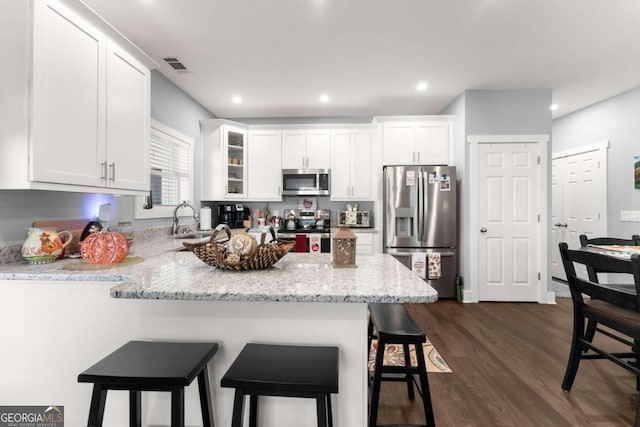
pixel 617 120
pixel 457 109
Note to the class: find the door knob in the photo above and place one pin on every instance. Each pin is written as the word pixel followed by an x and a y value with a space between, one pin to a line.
pixel 565 225
pixel 483 230
pixel 558 224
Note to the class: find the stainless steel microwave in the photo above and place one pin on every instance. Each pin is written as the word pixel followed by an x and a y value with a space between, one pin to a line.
pixel 305 182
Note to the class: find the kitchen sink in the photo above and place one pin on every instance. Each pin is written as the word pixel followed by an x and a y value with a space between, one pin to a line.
pixel 192 235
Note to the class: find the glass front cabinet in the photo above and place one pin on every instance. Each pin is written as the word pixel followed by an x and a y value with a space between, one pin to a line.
pixel 224 161
pixel 235 157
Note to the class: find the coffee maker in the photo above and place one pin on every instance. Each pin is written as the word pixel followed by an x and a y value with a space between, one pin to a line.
pixel 232 214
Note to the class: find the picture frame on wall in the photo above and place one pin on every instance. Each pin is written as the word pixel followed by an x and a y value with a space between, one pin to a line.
pixel 636 172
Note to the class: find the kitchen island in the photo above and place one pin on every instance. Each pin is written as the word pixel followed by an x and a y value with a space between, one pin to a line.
pixel 59 322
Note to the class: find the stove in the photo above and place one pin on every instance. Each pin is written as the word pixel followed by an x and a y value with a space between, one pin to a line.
pixel 312 233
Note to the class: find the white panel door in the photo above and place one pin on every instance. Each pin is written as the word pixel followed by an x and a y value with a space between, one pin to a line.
pixel 398 143
pixel 264 164
pixel 341 165
pixel 294 153
pixel 128 119
pixel 68 99
pixel 361 177
pixel 509 177
pixel 432 143
pixel 318 149
pixel 557 224
pixel 579 201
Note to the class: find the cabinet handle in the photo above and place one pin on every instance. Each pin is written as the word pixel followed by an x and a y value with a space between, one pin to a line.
pixel 352 190
pixel 112 166
pixel 418 153
pixel 103 173
pixel 279 191
pixel 413 157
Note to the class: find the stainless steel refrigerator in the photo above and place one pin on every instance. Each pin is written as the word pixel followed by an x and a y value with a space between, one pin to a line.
pixel 420 217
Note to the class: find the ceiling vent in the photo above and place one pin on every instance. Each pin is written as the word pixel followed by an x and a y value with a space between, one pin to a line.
pixel 176 64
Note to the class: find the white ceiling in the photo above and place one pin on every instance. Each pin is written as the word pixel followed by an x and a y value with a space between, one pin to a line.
pixel 368 55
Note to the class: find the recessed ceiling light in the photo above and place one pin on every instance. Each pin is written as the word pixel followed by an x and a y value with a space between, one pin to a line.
pixel 421 86
pixel 236 100
pixel 553 107
pixel 324 98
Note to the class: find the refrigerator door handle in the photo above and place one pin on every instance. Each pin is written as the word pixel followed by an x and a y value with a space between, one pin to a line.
pixel 419 203
pixel 425 202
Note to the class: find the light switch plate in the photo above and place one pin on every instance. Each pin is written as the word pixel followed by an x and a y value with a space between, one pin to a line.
pixel 630 216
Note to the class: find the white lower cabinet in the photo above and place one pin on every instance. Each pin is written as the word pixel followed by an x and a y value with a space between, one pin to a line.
pixel 364 243
pixel 351 174
pixel 88 127
pixel 265 165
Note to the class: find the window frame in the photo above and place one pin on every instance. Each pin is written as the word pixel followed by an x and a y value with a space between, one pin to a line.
pixel 166 211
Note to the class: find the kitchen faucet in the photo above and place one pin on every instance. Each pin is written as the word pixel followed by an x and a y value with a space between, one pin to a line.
pixel 184 204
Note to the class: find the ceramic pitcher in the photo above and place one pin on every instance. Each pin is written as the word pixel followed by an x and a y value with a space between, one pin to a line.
pixel 44 245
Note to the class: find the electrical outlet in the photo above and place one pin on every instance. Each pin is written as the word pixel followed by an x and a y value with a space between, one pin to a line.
pixel 630 216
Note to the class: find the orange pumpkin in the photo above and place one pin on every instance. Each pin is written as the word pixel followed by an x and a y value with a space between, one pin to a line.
pixel 104 248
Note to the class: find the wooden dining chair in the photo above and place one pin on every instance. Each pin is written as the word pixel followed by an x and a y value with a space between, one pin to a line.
pixel 610 305
pixel 593 272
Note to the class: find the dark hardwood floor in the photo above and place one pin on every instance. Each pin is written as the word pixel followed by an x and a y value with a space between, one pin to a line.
pixel 508 361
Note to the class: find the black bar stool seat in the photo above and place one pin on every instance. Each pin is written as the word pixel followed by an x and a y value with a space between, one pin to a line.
pixel 394 325
pixel 283 370
pixel 152 366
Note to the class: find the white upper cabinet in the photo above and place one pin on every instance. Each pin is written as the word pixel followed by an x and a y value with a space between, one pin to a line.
pixel 224 161
pixel 89 102
pixel 351 174
pixel 127 147
pixel 68 143
pixel 265 165
pixel 306 149
pixel 416 142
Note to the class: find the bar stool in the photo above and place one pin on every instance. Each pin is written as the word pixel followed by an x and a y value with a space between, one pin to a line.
pixel 283 370
pixel 394 325
pixel 151 366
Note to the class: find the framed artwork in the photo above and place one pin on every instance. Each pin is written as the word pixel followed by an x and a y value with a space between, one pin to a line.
pixel 636 171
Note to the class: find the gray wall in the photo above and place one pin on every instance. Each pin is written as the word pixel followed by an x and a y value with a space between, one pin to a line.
pixel 19 208
pixel 457 109
pixel 492 112
pixel 617 120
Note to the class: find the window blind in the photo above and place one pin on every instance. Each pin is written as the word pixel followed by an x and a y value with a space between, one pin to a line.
pixel 170 160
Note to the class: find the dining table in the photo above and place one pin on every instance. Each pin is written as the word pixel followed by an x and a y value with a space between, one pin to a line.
pixel 624 293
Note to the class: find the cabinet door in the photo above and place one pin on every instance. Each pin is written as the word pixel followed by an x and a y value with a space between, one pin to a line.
pixel 432 143
pixel 341 165
pixel 235 162
pixel 361 176
pixel 127 121
pixel 318 149
pixel 67 143
pixel 398 143
pixel 264 161
pixel 293 150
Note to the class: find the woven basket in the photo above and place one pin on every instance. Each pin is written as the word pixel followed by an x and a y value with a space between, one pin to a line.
pixel 214 252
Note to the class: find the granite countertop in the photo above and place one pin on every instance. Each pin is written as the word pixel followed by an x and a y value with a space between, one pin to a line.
pixel 301 277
